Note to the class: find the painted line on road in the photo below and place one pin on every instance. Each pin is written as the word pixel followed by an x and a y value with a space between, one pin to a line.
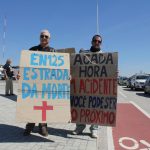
pixel 122 94
pixel 110 140
pixel 138 107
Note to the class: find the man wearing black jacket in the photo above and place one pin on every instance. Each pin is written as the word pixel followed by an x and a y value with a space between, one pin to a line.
pixel 44 47
pixel 8 72
pixel 95 48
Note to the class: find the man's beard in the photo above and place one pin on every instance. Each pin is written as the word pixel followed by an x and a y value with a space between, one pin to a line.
pixel 94 49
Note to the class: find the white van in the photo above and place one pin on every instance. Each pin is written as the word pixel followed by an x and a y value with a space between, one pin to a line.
pixel 138 81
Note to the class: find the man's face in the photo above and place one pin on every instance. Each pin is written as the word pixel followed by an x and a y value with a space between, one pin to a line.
pixel 44 39
pixel 9 62
pixel 97 42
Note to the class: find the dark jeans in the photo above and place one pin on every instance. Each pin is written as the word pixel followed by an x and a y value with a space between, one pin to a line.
pixel 30 126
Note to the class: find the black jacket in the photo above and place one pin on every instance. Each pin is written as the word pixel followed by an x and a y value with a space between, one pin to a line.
pixel 40 48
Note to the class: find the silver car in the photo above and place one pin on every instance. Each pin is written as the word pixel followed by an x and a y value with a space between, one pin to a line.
pixel 138 81
pixel 147 86
pixel 122 80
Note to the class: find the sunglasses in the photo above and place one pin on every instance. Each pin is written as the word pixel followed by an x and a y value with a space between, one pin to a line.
pixel 97 41
pixel 44 36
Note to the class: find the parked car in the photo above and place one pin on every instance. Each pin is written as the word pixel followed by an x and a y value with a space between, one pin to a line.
pixel 138 81
pixel 128 82
pixel 2 76
pixel 147 86
pixel 122 80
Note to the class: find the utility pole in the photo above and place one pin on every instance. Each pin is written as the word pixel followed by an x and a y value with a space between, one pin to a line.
pixel 4 39
pixel 97 20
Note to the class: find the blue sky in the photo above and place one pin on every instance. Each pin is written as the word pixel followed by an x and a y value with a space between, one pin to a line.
pixel 123 24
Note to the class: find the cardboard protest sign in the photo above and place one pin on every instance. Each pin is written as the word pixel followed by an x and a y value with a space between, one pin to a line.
pixel 66 50
pixel 94 88
pixel 44 87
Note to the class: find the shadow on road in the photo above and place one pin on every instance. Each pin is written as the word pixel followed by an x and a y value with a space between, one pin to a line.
pixel 127 89
pixel 11 97
pixel 63 132
pixel 143 94
pixel 9 133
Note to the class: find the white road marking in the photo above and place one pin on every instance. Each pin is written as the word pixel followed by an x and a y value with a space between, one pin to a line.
pixel 122 94
pixel 138 107
pixel 135 143
pixel 110 140
pixel 145 143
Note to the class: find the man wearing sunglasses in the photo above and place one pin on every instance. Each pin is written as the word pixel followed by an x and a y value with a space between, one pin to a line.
pixel 96 43
pixel 44 47
pixel 44 43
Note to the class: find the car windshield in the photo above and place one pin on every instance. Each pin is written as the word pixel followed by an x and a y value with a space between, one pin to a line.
pixel 141 77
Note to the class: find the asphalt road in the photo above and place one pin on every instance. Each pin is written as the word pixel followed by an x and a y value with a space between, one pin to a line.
pixel 126 95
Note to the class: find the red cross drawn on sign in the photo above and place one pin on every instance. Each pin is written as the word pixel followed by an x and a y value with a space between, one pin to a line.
pixel 44 107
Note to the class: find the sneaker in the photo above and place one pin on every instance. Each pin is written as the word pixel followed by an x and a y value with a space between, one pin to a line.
pixel 43 131
pixel 77 131
pixel 28 129
pixel 27 132
pixel 94 134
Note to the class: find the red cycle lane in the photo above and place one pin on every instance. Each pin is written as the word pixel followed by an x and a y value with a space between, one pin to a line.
pixel 132 131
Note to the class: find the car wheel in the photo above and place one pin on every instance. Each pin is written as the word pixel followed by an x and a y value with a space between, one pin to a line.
pixel 145 92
